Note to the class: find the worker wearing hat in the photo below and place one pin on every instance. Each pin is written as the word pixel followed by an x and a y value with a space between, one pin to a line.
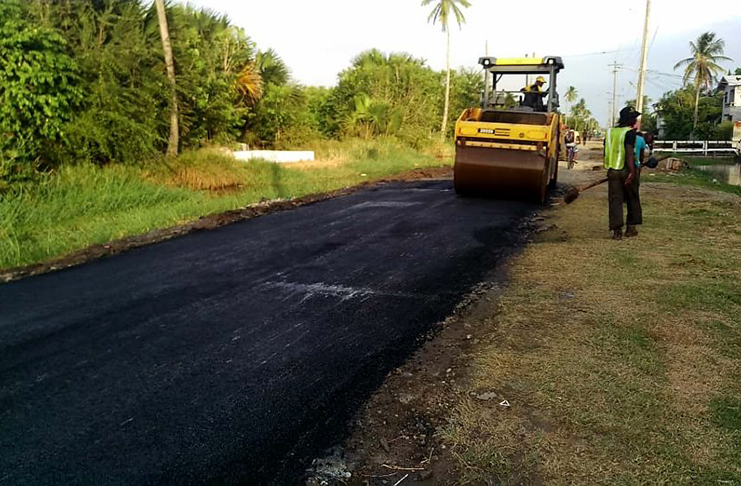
pixel 622 175
pixel 534 95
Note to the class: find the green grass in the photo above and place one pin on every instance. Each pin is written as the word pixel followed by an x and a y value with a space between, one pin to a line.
pixel 704 161
pixel 634 380
pixel 84 205
pixel 726 412
pixel 696 178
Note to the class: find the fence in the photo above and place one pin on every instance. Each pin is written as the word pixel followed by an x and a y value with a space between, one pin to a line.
pixel 696 147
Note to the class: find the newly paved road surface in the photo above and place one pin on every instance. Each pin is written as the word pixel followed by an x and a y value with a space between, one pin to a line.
pixel 228 355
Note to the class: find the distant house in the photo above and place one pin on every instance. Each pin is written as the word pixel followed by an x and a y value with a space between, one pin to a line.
pixel 731 86
pixel 660 122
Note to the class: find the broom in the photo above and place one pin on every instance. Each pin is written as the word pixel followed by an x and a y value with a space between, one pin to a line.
pixel 573 193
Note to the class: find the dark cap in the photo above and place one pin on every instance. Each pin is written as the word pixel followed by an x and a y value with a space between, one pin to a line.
pixel 628 115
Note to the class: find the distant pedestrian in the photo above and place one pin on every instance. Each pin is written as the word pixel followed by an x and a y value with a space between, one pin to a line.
pixel 620 157
pixel 571 150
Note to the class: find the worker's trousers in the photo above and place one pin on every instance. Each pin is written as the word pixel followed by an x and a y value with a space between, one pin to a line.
pixel 619 194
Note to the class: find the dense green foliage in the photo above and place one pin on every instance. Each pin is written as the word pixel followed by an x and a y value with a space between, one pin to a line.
pixel 677 114
pixel 86 82
pixel 39 89
pixel 91 82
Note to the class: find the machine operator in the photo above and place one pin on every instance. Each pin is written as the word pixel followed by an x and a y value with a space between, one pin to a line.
pixel 535 94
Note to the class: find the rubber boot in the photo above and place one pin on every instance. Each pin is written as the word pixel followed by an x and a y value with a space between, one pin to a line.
pixel 617 234
pixel 631 232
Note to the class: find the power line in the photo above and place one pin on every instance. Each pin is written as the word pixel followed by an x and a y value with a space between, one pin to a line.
pixel 657 73
pixel 598 53
pixel 668 75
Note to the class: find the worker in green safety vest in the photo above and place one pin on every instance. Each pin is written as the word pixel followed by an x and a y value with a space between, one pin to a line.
pixel 622 176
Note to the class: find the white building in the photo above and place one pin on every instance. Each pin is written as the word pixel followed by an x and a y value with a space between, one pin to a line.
pixel 731 87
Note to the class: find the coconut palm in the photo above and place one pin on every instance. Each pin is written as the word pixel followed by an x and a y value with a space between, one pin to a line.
pixel 571 94
pixel 707 52
pixel 174 140
pixel 442 11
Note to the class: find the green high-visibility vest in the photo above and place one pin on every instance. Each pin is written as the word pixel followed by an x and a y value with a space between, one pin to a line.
pixel 615 148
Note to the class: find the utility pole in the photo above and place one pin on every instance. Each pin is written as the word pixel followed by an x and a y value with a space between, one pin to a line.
pixel 527 76
pixel 615 67
pixel 487 84
pixel 644 61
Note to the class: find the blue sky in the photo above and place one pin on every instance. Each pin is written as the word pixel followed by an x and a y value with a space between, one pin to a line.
pixel 319 38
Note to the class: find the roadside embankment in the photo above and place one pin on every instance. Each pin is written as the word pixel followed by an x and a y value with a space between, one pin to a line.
pixel 84 205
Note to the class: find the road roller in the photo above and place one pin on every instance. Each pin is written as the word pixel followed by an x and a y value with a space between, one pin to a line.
pixel 508 147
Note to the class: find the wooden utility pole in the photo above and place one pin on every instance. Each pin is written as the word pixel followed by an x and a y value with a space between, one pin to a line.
pixel 644 61
pixel 174 140
pixel 487 84
pixel 615 66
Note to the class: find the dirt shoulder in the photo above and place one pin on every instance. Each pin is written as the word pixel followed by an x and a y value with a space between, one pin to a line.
pixel 205 223
pixel 597 362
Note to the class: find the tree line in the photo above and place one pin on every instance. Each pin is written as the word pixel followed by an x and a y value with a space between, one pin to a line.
pixel 88 82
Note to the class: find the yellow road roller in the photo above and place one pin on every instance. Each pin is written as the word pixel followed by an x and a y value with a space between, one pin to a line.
pixel 508 147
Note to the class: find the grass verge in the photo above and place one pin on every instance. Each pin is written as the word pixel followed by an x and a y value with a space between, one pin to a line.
pixel 695 176
pixel 84 205
pixel 621 360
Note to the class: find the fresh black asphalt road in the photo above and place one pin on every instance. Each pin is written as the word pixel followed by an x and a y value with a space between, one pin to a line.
pixel 233 355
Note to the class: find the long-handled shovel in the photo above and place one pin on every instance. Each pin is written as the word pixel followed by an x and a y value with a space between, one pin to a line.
pixel 573 193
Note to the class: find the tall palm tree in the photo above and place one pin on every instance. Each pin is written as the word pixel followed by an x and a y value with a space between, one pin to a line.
pixel 707 52
pixel 571 94
pixel 272 68
pixel 442 12
pixel 174 140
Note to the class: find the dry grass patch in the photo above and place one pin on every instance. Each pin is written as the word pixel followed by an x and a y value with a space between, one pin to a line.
pixel 310 165
pixel 202 170
pixel 619 359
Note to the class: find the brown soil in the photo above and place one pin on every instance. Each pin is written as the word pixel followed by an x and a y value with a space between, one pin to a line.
pixel 206 223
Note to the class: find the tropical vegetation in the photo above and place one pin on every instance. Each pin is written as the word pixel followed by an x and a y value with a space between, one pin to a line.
pixel 95 82
pixel 683 116
pixel 703 65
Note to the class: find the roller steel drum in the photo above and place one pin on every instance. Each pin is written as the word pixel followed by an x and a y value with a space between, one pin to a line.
pixel 500 173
